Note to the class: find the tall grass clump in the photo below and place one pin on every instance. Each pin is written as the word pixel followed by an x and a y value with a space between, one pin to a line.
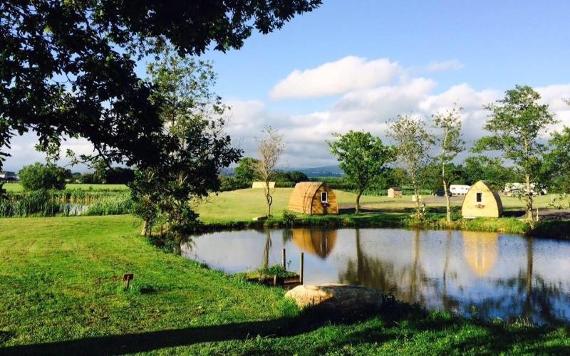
pixel 44 203
pixel 112 205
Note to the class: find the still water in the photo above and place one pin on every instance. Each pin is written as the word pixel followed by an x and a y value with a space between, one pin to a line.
pixel 487 275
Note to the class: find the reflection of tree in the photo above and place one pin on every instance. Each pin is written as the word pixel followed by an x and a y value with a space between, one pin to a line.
pixel 527 295
pixel 449 303
pixel 524 295
pixel 266 249
pixel 382 275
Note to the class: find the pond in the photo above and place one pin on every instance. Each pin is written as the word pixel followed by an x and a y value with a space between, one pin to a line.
pixel 475 274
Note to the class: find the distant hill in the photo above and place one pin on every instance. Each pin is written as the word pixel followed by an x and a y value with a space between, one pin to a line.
pixel 325 171
pixel 311 172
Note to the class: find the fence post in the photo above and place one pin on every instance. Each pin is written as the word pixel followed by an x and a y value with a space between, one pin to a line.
pixel 302 272
pixel 284 259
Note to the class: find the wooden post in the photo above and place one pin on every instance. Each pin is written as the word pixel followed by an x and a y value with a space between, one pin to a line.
pixel 274 280
pixel 301 274
pixel 284 259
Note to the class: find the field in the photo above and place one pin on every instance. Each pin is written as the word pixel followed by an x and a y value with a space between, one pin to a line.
pixel 60 283
pixel 246 204
pixel 17 187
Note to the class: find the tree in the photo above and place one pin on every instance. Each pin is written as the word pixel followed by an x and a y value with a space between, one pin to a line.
pixel 198 148
pixel 412 142
pixel 362 157
pixel 515 125
pixel 557 161
pixel 39 176
pixel 450 144
pixel 270 147
pixel 245 172
pixel 68 68
pixel 492 170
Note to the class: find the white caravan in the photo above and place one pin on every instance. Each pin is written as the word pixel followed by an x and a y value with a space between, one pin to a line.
pixel 458 189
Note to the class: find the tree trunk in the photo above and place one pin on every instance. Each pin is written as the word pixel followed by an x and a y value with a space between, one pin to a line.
pixel 144 231
pixel 358 201
pixel 268 198
pixel 529 202
pixel 418 208
pixel 447 201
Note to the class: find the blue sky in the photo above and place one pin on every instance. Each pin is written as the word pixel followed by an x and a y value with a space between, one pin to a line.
pixel 384 58
pixel 500 43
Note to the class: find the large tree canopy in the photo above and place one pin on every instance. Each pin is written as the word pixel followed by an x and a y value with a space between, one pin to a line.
pixel 67 67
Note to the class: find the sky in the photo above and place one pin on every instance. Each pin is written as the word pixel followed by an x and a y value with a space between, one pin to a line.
pixel 358 64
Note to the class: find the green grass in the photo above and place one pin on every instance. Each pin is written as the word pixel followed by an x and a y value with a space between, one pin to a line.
pixel 245 204
pixel 236 209
pixel 60 283
pixel 17 187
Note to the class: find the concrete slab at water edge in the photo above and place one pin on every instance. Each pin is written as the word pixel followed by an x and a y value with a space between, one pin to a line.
pixel 337 297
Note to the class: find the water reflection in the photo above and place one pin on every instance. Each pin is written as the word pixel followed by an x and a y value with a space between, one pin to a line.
pixel 315 242
pixel 484 274
pixel 480 251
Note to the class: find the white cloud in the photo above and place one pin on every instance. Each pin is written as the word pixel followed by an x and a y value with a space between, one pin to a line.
pixel 444 66
pixel 364 104
pixel 338 77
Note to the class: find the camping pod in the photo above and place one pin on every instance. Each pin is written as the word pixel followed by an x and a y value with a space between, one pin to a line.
pixel 481 201
pixel 313 198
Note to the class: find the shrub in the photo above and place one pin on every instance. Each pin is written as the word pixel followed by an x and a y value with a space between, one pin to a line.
pixel 43 176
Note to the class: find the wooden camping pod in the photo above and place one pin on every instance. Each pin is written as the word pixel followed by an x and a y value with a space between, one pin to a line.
pixel 313 198
pixel 481 201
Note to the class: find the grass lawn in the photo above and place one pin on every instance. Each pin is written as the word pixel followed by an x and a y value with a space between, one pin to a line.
pixel 17 187
pixel 246 204
pixel 60 283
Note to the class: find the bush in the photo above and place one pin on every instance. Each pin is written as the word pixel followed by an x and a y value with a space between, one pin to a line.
pixel 43 176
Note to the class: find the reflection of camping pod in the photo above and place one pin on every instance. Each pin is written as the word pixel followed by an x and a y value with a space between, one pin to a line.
pixel 481 201
pixel 313 198
pixel 315 242
pixel 480 250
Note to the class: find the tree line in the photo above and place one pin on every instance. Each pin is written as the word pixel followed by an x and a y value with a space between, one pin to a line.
pixel 513 149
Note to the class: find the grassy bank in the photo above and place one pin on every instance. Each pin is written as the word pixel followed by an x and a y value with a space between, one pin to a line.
pixel 236 210
pixel 60 283
pixel 17 187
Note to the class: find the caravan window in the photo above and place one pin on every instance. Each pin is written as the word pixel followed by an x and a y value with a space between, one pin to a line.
pixel 324 197
pixel 479 197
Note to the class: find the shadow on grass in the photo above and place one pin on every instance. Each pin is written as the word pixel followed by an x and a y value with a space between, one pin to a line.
pixel 395 321
pixel 149 341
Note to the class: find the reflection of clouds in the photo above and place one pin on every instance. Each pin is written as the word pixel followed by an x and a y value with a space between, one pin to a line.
pixel 488 270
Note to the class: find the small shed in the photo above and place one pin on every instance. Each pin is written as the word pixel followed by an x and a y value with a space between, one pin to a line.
pixel 313 198
pixel 394 192
pixel 261 185
pixel 481 201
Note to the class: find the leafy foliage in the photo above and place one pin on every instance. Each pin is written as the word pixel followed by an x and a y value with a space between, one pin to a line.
pixel 246 171
pixel 39 176
pixel 270 147
pixel 197 149
pixel 362 157
pixel 515 125
pixel 557 161
pixel 492 170
pixel 450 144
pixel 69 67
pixel 413 142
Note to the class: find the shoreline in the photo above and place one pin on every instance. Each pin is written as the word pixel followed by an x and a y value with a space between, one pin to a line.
pixel 547 229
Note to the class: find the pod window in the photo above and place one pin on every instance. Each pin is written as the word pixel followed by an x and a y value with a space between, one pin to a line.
pixel 324 197
pixel 479 197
